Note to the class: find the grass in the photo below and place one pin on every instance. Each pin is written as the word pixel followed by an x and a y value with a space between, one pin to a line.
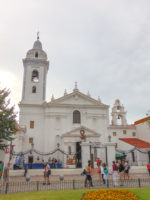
pixel 141 193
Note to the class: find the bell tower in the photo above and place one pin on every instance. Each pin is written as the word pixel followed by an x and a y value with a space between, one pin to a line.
pixel 36 67
pixel 118 114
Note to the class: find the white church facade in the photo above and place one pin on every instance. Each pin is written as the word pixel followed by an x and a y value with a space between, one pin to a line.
pixel 75 123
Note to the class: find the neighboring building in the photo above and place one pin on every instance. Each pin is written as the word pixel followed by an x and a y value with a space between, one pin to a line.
pixel 62 122
pixel 119 127
pixel 143 128
pixel 141 155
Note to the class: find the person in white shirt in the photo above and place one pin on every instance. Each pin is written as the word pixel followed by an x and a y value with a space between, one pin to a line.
pixel 102 172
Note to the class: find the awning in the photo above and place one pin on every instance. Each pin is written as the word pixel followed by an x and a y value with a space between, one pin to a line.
pixel 118 155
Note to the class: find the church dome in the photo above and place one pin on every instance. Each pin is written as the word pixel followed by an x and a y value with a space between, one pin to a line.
pixel 37 45
pixel 37 52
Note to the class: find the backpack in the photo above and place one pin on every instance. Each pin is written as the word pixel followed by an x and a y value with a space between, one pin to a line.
pixel 121 167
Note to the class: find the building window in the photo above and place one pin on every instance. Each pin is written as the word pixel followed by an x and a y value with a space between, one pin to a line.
pixel 76 117
pixel 114 133
pixel 133 156
pixel 36 54
pixel 116 145
pixel 31 124
pixel 34 89
pixel 31 140
pixel 35 76
pixel 124 131
pixel 69 150
pixel 133 133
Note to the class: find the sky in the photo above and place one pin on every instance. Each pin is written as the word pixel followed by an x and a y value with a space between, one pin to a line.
pixel 104 45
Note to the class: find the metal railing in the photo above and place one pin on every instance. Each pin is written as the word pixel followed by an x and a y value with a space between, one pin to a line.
pixel 15 187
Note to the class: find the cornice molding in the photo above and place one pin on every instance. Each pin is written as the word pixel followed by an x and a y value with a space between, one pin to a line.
pixel 57 102
pixel 122 127
pixel 68 134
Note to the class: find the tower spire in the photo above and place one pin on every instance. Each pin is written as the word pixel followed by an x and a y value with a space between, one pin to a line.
pixel 38 35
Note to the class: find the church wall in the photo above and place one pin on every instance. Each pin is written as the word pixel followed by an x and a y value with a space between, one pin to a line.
pixel 59 120
pixel 35 114
pixel 142 157
pixel 120 133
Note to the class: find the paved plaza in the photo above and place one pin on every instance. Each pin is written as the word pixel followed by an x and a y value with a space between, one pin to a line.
pixel 73 177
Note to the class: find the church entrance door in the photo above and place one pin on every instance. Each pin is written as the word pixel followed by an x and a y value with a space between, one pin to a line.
pixel 78 155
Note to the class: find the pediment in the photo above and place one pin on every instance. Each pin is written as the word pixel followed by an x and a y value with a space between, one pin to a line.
pixel 76 132
pixel 77 98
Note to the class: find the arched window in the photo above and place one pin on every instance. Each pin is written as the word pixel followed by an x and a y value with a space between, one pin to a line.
pixel 119 120
pixel 76 117
pixel 35 76
pixel 34 89
pixel 36 54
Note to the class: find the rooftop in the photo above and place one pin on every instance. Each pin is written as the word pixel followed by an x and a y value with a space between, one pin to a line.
pixel 135 141
pixel 140 121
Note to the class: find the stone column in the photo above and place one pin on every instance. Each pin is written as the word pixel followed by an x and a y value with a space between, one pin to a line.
pixel 111 153
pixel 85 148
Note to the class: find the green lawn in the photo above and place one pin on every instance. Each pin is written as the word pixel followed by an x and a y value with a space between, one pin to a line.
pixel 141 193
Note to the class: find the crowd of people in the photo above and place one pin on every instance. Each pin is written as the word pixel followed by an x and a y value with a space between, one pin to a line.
pixel 119 171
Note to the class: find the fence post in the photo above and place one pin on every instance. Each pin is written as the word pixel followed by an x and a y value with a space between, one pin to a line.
pixel 108 183
pixel 6 189
pixel 73 184
pixel 37 185
pixel 139 182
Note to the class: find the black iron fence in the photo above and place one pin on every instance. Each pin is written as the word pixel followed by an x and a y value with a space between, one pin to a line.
pixel 15 187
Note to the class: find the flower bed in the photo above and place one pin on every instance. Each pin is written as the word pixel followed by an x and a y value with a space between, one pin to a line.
pixel 110 194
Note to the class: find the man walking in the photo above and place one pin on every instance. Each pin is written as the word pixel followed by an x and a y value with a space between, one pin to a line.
pixel 47 172
pixel 88 177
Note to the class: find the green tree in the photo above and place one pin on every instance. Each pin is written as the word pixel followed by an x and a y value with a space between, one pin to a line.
pixel 7 119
